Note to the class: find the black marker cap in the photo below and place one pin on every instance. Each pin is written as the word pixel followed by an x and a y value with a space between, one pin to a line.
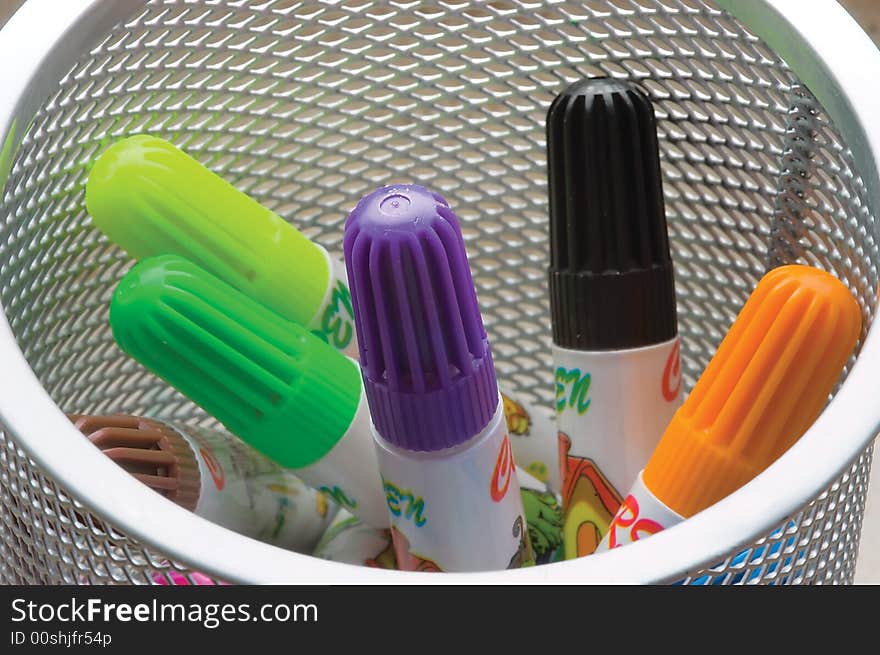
pixel 611 279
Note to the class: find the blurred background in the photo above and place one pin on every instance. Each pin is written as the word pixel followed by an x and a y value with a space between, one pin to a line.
pixel 867 13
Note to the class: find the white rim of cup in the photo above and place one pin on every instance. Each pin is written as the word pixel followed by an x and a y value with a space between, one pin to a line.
pixel 820 44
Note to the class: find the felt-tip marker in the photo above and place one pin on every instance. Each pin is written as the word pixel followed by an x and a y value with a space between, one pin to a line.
pixel 612 299
pixel 215 476
pixel 438 422
pixel 268 380
pixel 766 384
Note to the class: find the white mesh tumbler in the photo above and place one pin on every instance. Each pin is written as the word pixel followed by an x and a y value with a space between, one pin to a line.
pixel 769 152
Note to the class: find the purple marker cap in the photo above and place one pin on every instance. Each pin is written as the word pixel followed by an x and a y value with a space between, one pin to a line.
pixel 425 359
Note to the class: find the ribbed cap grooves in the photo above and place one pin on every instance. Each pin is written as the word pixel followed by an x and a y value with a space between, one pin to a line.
pixel 268 380
pixel 415 422
pixel 425 358
pixel 610 276
pixel 153 199
pixel 766 384
pixel 150 451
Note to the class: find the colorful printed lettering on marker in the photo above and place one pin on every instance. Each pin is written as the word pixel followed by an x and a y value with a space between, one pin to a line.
pixel 503 472
pixel 628 517
pixel 402 502
pixel 214 468
pixel 338 495
pixel 337 321
pixel 572 390
pixel 672 374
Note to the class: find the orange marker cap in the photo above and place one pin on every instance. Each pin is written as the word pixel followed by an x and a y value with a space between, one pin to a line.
pixel 764 387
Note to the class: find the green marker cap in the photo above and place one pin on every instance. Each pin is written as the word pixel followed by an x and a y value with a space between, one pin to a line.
pixel 152 199
pixel 268 380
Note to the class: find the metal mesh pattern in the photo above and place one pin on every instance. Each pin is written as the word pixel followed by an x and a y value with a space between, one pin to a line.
pixel 818 545
pixel 47 537
pixel 307 106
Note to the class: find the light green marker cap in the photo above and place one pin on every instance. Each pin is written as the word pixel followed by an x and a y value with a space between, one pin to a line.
pixel 268 380
pixel 151 199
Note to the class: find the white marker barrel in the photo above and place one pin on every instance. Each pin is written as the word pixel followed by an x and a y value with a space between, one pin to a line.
pixel 640 515
pixel 351 541
pixel 334 320
pixel 612 408
pixel 348 540
pixel 457 509
pixel 248 493
pixel 349 472
pixel 532 433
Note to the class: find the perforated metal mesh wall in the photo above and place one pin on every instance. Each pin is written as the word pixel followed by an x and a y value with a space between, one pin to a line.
pixel 308 105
